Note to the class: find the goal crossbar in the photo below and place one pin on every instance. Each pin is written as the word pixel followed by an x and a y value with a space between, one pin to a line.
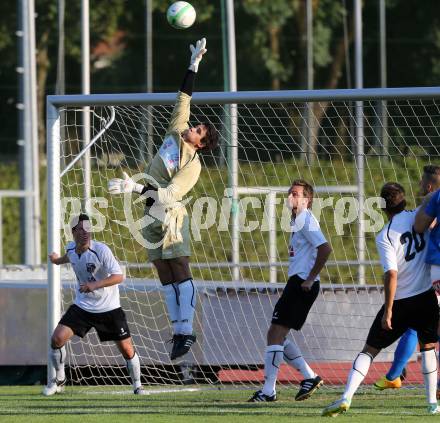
pixel 357 94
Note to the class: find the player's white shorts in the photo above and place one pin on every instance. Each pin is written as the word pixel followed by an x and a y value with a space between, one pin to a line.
pixel 435 279
pixel 169 238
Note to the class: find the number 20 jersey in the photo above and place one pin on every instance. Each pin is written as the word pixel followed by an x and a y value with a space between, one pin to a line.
pixel 402 249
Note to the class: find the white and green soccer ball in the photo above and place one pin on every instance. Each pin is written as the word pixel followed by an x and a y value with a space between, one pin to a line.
pixel 181 15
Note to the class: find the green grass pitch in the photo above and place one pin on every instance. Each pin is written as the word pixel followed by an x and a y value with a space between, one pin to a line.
pixel 118 405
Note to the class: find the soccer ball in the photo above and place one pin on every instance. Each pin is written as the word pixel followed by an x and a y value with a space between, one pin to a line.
pixel 181 15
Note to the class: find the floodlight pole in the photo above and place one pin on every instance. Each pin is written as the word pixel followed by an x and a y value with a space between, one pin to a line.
pixel 85 85
pixel 28 135
pixel 359 105
pixel 147 150
pixel 60 86
pixel 311 143
pixel 23 137
pixel 233 147
pixel 383 79
pixel 225 138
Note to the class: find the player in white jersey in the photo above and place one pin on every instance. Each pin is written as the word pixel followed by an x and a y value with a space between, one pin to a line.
pixel 308 253
pixel 410 301
pixel 96 304
pixel 429 183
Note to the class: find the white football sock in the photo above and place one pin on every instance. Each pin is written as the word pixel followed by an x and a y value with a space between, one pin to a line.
pixel 58 358
pixel 273 357
pixel 429 370
pixel 294 358
pixel 187 301
pixel 172 301
pixel 357 374
pixel 134 368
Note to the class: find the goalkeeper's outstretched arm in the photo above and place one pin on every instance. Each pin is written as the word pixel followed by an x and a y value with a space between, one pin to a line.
pixel 179 185
pixel 180 116
pixel 184 180
pixel 178 122
pixel 197 53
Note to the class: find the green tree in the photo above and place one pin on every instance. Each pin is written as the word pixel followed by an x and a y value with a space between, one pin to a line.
pixel 280 38
pixel 271 17
pixel 104 16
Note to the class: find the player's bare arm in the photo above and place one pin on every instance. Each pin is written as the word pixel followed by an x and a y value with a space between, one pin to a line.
pixel 323 253
pixel 423 221
pixel 110 281
pixel 55 258
pixel 390 285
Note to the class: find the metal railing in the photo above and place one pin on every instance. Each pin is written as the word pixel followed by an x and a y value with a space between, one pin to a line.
pixel 271 216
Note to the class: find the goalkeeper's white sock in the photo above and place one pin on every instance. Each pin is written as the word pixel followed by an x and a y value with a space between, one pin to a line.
pixel 58 358
pixel 172 301
pixel 294 358
pixel 187 301
pixel 429 370
pixel 357 374
pixel 134 368
pixel 273 357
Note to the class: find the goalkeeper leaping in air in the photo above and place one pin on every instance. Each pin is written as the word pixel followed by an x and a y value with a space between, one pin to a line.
pixel 175 169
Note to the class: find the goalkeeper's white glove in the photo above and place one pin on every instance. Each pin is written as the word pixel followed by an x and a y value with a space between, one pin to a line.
pixel 196 54
pixel 122 186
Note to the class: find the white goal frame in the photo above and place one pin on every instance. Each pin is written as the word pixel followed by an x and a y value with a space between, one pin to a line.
pixel 54 103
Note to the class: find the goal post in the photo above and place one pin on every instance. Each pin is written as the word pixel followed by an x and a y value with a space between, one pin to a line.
pixel 240 271
pixel 53 229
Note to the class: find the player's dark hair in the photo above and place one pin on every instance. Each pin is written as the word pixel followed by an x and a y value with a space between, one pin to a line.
pixel 77 219
pixel 432 172
pixel 210 140
pixel 307 189
pixel 394 196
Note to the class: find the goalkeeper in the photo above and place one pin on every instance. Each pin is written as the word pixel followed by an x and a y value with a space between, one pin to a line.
pixel 174 171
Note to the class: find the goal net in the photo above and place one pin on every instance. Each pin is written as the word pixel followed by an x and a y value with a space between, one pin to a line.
pixel 239 224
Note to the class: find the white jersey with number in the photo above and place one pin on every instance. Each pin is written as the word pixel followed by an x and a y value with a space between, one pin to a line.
pixel 402 249
pixel 96 263
pixel 305 239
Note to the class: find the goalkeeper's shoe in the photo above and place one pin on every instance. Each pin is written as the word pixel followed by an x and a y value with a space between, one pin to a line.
pixel 260 397
pixel 336 408
pixel 54 387
pixel 433 409
pixel 308 387
pixel 384 383
pixel 182 346
pixel 175 341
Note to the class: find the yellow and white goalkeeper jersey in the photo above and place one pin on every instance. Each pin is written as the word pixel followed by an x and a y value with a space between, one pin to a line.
pixel 176 166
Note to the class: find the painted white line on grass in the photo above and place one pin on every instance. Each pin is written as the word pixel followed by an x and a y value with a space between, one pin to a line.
pixel 146 391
